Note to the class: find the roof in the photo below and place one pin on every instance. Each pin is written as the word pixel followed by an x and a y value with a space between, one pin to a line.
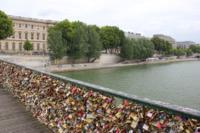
pixel 32 19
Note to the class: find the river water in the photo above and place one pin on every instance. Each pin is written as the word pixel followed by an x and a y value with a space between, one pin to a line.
pixel 175 83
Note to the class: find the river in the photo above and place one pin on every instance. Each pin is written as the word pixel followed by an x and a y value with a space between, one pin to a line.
pixel 175 83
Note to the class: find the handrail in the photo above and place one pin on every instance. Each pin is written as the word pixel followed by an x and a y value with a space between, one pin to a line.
pixel 191 113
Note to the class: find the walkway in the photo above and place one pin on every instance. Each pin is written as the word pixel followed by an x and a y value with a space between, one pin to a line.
pixel 15 119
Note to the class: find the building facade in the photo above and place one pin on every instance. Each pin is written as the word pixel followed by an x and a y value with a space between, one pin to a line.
pixel 167 38
pixel 34 30
pixel 133 35
pixel 185 44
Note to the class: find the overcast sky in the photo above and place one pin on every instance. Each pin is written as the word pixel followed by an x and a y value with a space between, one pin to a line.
pixel 177 18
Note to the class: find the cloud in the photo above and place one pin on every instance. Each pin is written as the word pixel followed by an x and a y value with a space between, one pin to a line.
pixel 178 18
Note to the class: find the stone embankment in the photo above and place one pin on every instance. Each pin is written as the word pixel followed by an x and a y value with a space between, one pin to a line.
pixel 88 66
pixel 67 106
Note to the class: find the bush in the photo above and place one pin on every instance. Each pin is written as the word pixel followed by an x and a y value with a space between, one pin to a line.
pixel 28 45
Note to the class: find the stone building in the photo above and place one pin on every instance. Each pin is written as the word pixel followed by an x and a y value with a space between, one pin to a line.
pixel 167 38
pixel 132 35
pixel 185 44
pixel 34 30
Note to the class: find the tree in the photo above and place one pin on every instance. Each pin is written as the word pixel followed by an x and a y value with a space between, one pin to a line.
pixel 161 45
pixel 146 48
pixel 78 44
pixel 65 27
pixel 94 44
pixel 179 52
pixel 28 46
pixel 195 48
pixel 56 44
pixel 127 50
pixel 111 37
pixel 188 52
pixel 137 49
pixel 59 38
pixel 75 40
pixel 6 26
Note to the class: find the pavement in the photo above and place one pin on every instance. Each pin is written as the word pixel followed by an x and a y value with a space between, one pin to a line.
pixel 15 119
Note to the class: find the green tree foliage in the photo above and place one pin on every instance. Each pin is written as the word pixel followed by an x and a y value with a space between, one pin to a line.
pixel 97 29
pixel 111 37
pixel 6 26
pixel 94 44
pixel 127 49
pixel 78 45
pixel 137 49
pixel 162 46
pixel 195 48
pixel 75 40
pixel 56 44
pixel 28 46
pixel 179 52
pixel 65 27
pixel 188 52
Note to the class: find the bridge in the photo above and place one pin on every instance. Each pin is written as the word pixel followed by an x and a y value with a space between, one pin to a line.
pixel 63 104
pixel 15 119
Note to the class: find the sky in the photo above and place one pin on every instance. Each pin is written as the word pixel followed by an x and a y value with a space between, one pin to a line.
pixel 177 18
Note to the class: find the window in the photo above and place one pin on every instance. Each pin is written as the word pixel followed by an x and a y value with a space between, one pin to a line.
pixel 38 36
pixel 31 26
pixel 0 45
pixel 26 25
pixel 43 46
pixel 20 35
pixel 26 35
pixel 20 46
pixel 43 36
pixel 20 25
pixel 38 46
pixel 43 27
pixel 32 35
pixel 13 46
pixel 6 46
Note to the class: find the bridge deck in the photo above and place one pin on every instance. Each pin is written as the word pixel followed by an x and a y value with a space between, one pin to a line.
pixel 15 119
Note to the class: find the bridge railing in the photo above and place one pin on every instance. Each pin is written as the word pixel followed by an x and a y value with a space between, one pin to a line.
pixel 65 104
